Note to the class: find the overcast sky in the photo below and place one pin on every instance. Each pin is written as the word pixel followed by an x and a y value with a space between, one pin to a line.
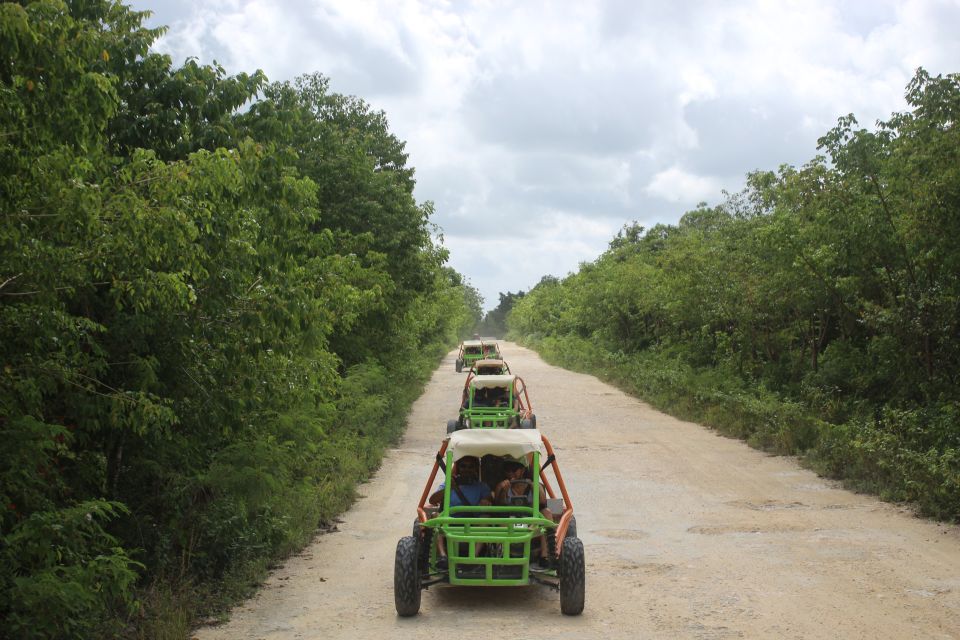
pixel 539 128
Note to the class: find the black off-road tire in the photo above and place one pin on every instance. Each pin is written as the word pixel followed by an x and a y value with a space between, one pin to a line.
pixel 572 577
pixel 459 366
pixel 572 528
pixel 406 577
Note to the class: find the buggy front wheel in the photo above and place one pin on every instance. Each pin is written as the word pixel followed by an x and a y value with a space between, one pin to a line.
pixel 459 365
pixel 572 577
pixel 406 578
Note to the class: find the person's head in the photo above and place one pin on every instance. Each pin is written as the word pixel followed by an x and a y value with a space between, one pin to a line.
pixel 468 469
pixel 514 469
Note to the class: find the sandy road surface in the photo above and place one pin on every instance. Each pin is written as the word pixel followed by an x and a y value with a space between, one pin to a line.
pixel 687 535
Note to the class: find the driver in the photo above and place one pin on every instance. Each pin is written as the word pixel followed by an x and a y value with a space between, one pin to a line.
pixel 466 489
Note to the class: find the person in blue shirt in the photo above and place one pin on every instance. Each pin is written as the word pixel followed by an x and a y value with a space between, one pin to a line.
pixel 466 489
pixel 466 478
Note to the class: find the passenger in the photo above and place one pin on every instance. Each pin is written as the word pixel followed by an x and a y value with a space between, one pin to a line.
pixel 516 490
pixel 499 397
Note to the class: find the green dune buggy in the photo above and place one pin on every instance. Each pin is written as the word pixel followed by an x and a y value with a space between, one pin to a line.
pixel 470 352
pixel 493 546
pixel 494 402
pixel 488 367
pixel 491 348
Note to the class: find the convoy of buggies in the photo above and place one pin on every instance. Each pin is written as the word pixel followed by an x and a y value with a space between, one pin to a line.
pixel 494 401
pixel 501 517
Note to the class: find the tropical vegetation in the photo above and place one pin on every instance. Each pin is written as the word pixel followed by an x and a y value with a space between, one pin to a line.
pixel 815 313
pixel 217 298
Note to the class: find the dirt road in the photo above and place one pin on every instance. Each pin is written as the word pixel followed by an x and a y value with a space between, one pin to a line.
pixel 687 535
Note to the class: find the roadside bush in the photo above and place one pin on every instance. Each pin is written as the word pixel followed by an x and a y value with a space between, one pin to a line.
pixel 65 576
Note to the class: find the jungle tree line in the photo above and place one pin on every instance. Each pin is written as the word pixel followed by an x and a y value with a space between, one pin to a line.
pixel 494 323
pixel 212 319
pixel 816 312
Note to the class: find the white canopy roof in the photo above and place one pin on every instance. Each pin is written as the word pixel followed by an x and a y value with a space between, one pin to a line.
pixel 488 382
pixel 516 443
pixel 488 362
pixel 472 343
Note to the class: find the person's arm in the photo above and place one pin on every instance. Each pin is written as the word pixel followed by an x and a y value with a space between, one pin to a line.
pixel 500 495
pixel 487 499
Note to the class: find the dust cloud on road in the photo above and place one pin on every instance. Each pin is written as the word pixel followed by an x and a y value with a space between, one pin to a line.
pixel 687 534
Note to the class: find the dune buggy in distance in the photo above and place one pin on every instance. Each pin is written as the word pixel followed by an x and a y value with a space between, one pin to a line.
pixel 491 348
pixel 494 402
pixel 493 546
pixel 488 367
pixel 470 352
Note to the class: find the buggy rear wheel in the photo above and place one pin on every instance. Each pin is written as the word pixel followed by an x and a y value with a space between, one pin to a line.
pixel 459 365
pixel 572 577
pixel 406 578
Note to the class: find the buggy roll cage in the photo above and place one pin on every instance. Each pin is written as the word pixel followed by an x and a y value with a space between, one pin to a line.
pixel 431 516
pixel 514 409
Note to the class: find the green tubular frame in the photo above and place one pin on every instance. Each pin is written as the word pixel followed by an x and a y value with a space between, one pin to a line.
pixel 510 532
pixel 490 417
pixel 470 358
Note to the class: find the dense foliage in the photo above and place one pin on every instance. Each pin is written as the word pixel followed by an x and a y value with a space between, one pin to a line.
pixel 814 313
pixel 494 323
pixel 211 320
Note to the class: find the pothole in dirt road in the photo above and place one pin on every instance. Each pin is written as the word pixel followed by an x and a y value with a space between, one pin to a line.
pixel 628 568
pixel 767 505
pixel 656 569
pixel 927 593
pixel 619 447
pixel 622 534
pixel 722 529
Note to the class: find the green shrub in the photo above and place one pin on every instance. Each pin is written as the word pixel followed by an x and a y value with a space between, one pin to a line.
pixel 64 576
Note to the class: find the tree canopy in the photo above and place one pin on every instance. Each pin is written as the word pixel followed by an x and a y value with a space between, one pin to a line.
pixel 832 287
pixel 202 309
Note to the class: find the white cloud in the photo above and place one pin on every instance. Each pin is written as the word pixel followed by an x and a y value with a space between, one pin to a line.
pixel 562 121
pixel 497 259
pixel 676 185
